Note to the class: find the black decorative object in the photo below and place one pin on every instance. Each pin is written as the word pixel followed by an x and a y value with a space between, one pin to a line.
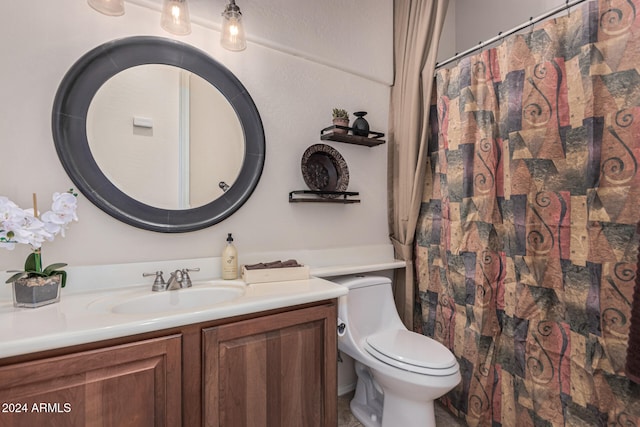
pixel 324 169
pixel 360 125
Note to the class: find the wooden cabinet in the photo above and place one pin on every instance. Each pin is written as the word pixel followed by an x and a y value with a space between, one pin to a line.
pixel 136 384
pixel 277 370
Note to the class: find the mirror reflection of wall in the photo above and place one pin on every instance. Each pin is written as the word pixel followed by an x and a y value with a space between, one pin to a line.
pixel 187 140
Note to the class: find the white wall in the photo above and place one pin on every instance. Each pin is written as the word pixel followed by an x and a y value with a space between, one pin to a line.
pixel 447 46
pixel 478 21
pixel 469 22
pixel 293 92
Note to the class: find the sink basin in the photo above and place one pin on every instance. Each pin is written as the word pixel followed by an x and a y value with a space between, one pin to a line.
pixel 183 299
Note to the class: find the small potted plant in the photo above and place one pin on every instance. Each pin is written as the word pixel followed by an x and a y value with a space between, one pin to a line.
pixel 36 286
pixel 340 118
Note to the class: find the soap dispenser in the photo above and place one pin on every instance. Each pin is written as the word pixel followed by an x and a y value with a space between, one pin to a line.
pixel 229 260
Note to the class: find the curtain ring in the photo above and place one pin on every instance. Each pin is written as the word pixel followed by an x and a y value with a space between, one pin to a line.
pixel 532 25
pixel 568 9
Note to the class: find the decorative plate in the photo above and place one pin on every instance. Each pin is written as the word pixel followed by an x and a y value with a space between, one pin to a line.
pixel 324 169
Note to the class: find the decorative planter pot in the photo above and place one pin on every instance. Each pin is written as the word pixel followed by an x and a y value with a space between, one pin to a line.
pixel 37 291
pixel 340 122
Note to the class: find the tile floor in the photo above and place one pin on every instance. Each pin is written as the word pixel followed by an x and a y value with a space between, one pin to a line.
pixel 346 419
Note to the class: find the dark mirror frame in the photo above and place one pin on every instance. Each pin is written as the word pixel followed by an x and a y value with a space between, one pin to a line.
pixel 71 105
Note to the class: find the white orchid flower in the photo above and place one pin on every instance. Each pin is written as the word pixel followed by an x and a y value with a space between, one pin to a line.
pixel 21 226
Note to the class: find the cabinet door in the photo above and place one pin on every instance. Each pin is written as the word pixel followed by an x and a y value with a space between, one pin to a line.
pixel 277 370
pixel 135 384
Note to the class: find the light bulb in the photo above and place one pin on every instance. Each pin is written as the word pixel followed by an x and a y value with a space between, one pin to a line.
pixel 232 37
pixel 108 7
pixel 175 17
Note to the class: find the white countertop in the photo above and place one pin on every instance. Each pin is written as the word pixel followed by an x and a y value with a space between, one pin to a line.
pixel 84 312
pixel 83 317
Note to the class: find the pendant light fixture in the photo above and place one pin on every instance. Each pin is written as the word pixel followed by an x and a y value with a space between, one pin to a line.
pixel 232 37
pixel 108 7
pixel 175 17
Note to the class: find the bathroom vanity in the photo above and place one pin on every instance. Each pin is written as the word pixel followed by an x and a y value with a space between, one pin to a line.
pixel 265 358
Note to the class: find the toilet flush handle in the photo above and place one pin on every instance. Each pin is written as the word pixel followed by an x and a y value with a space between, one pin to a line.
pixel 341 327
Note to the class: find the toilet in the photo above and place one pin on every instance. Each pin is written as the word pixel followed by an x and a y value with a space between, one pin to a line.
pixel 400 373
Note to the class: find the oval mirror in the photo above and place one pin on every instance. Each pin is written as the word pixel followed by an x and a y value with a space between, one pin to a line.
pixel 158 134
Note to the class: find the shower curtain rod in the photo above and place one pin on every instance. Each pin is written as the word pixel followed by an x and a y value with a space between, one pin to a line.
pixel 531 21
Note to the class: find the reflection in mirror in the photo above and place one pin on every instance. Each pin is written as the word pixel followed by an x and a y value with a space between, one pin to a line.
pixel 165 136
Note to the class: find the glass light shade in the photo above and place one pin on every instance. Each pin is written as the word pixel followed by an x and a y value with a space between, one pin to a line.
pixel 232 37
pixel 175 17
pixel 108 7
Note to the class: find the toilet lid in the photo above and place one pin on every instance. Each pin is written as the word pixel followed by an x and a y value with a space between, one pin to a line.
pixel 412 352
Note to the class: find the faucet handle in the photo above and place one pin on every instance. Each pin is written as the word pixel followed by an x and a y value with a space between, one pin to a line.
pixel 158 283
pixel 185 276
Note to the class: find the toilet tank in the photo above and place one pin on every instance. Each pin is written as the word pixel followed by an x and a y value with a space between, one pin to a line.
pixel 369 306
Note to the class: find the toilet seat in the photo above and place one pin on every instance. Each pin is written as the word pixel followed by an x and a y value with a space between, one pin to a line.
pixel 411 352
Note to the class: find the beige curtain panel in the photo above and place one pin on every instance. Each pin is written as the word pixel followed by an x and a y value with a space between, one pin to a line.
pixel 417 28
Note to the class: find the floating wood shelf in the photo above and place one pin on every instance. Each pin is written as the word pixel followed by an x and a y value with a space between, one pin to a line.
pixel 329 134
pixel 302 196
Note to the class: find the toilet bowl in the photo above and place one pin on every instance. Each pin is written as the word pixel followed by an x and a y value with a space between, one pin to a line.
pixel 400 373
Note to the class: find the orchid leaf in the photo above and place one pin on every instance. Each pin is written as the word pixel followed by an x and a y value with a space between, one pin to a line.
pixel 30 263
pixel 64 278
pixel 33 262
pixel 16 277
pixel 53 267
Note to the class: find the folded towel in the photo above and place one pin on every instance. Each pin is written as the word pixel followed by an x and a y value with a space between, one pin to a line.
pixel 273 264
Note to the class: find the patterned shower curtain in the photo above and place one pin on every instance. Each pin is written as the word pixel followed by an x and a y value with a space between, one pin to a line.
pixel 526 243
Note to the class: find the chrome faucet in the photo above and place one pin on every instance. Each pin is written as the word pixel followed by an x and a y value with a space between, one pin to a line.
pixel 179 279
